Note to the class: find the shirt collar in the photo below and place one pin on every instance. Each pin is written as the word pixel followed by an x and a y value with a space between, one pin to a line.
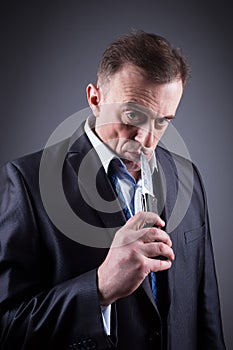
pixel 104 152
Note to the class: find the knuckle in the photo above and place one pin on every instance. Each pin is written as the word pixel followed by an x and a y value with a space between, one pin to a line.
pixel 154 230
pixel 141 215
pixel 143 265
pixel 150 233
pixel 161 247
pixel 140 264
pixel 133 254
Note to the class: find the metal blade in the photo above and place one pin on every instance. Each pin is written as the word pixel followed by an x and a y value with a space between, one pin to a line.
pixel 147 184
pixel 149 201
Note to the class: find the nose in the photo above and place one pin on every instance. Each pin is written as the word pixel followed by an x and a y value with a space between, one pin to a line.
pixel 145 136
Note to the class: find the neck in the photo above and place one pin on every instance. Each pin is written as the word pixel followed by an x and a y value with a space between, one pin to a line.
pixel 135 174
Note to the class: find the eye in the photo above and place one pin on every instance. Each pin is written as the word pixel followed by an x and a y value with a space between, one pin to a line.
pixel 161 122
pixel 134 117
pixel 131 115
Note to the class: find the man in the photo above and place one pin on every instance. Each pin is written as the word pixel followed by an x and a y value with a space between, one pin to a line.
pixel 59 293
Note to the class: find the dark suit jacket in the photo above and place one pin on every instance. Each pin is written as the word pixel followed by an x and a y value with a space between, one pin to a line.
pixel 48 284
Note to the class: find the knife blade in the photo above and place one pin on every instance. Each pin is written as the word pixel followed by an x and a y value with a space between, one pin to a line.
pixel 149 201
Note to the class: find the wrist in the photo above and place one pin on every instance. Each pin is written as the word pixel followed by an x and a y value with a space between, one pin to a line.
pixel 105 296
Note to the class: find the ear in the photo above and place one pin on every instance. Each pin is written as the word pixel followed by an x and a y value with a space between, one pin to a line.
pixel 93 97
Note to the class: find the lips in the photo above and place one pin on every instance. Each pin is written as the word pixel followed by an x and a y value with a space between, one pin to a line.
pixel 132 156
pixel 137 150
pixel 132 151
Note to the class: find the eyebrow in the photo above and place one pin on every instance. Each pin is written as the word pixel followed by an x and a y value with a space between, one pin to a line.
pixel 145 110
pixel 169 117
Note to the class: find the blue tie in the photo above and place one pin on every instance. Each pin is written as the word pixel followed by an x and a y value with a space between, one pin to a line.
pixel 114 167
pixel 153 283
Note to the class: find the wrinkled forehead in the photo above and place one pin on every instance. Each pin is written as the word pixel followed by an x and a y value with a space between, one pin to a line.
pixel 155 100
pixel 129 85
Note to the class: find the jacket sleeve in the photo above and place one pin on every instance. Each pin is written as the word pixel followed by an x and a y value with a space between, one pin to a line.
pixel 210 332
pixel 64 316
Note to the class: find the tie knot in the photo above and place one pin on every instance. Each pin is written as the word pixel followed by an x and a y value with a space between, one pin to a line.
pixel 117 168
pixel 115 165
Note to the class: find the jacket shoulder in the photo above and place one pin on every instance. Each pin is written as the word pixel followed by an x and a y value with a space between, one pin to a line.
pixel 30 163
pixel 180 167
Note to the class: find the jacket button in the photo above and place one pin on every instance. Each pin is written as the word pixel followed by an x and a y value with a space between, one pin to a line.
pixel 153 336
pixel 89 344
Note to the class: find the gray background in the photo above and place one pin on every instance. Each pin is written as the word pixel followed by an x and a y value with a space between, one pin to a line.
pixel 50 51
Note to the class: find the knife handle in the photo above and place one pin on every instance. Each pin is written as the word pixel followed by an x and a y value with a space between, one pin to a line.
pixel 149 203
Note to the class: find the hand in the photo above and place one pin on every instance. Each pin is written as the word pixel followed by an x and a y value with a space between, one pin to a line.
pixel 130 257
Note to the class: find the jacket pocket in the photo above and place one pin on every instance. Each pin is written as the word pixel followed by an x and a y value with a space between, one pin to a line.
pixel 195 234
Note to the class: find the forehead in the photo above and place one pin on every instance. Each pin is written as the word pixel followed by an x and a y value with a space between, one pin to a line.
pixel 128 80
pixel 130 86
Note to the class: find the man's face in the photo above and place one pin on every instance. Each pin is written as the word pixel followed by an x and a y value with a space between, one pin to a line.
pixel 132 114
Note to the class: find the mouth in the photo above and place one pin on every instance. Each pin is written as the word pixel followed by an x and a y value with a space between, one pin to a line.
pixel 131 153
pixel 132 156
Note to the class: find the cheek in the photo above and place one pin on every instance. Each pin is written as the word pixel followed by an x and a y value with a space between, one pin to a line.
pixel 158 134
pixel 128 132
pixel 108 132
pixel 156 139
pixel 119 131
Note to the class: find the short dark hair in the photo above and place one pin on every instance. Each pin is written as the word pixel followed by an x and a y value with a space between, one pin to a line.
pixel 160 62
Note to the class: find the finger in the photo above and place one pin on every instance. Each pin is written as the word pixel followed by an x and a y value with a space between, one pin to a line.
pixel 128 235
pixel 146 235
pixel 157 249
pixel 155 234
pixel 142 219
pixel 158 265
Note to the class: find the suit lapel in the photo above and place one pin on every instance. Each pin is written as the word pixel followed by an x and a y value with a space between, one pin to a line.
pixel 169 189
pixel 94 188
